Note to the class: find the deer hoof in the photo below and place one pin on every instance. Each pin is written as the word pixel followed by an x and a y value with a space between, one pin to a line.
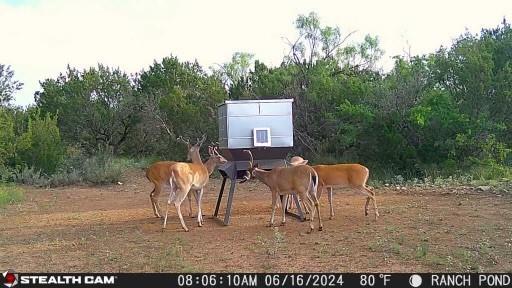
pixel 320 228
pixel 283 223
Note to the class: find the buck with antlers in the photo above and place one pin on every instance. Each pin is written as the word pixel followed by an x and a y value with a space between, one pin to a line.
pixel 191 176
pixel 302 180
pixel 352 176
pixel 159 174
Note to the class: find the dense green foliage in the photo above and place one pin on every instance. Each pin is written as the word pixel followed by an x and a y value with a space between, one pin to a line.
pixel 445 113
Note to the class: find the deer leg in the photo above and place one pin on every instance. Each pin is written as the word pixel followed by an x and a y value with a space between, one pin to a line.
pixel 305 206
pixel 366 206
pixel 166 214
pixel 306 200
pixel 320 224
pixel 274 204
pixel 319 190
pixel 189 196
pixel 312 213
pixel 374 200
pixel 309 207
pixel 370 196
pixel 199 196
pixel 172 195
pixel 329 196
pixel 284 203
pixel 177 204
pixel 154 200
pixel 289 202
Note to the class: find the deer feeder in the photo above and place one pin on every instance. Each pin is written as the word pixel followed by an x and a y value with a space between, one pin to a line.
pixel 265 127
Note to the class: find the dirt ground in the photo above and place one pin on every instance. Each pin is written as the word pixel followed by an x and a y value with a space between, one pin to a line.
pixel 112 229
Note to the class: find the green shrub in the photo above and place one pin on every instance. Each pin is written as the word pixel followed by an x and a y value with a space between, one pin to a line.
pixel 102 169
pixel 490 170
pixel 6 174
pixel 9 194
pixel 65 178
pixel 30 176
pixel 40 146
pixel 7 138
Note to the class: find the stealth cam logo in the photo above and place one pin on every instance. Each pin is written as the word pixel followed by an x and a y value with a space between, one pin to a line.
pixel 9 278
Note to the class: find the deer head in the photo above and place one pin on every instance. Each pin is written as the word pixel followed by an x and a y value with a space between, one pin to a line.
pixel 250 170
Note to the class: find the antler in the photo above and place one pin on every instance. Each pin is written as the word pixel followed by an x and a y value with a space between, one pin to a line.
pixel 200 142
pixel 251 165
pixel 181 139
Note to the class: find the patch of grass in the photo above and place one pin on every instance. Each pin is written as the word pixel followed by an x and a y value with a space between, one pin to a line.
pixel 386 245
pixel 395 248
pixel 466 259
pixel 172 259
pixel 422 251
pixel 323 250
pixel 10 194
pixel 272 245
pixel 437 260
pixel 375 246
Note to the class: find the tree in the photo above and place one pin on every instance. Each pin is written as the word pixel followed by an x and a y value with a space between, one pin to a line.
pixel 96 107
pixel 184 98
pixel 40 145
pixel 7 136
pixel 238 68
pixel 8 86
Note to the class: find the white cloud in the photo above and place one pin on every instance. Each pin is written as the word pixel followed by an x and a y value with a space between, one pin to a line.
pixel 39 38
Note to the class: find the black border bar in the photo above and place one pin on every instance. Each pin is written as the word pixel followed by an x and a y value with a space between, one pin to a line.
pixel 265 280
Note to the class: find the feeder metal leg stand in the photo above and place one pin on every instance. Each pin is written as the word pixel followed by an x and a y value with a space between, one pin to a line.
pixel 220 196
pixel 230 201
pixel 232 178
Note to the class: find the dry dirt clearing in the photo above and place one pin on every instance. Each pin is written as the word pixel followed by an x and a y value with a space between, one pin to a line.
pixel 112 229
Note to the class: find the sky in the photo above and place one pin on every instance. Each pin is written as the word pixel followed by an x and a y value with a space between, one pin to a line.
pixel 39 38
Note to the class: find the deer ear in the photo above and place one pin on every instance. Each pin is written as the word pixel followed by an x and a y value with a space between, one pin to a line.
pixel 305 162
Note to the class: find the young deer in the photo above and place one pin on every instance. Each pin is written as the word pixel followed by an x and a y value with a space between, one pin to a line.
pixel 352 176
pixel 187 176
pixel 302 180
pixel 159 174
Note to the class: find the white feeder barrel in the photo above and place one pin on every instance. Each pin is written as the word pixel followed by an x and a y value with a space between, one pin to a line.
pixel 238 120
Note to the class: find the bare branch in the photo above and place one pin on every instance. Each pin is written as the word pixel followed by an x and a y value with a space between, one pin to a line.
pixel 164 125
pixel 304 139
pixel 340 43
